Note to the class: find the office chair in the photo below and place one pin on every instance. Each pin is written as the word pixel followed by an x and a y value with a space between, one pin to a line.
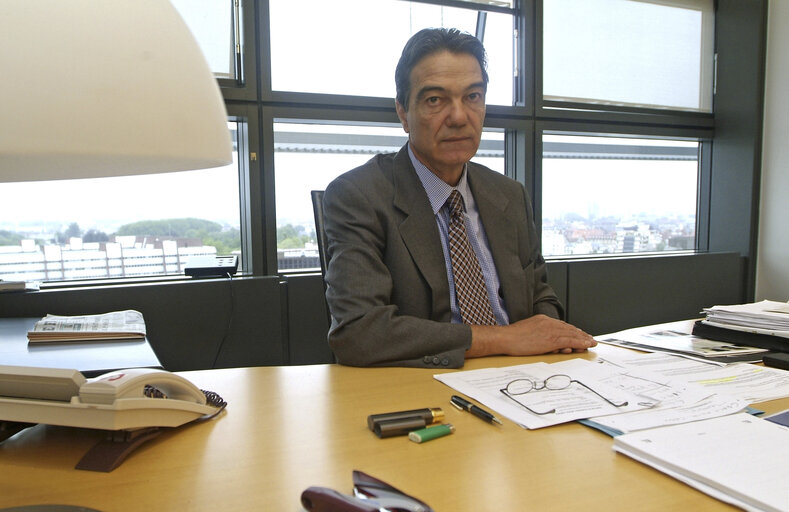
pixel 320 233
pixel 323 242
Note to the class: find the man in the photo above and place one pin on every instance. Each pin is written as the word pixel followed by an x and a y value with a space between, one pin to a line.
pixel 396 288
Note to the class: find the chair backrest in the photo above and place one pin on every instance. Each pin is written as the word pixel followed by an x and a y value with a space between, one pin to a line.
pixel 320 232
pixel 323 242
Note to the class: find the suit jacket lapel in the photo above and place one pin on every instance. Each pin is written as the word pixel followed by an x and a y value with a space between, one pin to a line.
pixel 419 231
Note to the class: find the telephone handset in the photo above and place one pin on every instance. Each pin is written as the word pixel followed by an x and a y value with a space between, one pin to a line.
pixel 137 383
pixel 121 400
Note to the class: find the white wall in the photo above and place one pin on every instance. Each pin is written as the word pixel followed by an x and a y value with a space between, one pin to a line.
pixel 772 266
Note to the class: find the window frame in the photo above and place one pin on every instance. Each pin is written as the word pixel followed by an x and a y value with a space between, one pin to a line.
pixel 602 111
pixel 252 99
pixel 703 136
pixel 600 295
pixel 245 86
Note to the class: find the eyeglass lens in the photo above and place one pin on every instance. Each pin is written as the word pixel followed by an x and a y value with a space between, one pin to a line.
pixel 554 382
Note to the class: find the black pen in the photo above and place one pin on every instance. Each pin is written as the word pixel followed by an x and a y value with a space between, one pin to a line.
pixel 464 405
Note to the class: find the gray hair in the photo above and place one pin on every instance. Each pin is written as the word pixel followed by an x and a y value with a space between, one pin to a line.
pixel 429 41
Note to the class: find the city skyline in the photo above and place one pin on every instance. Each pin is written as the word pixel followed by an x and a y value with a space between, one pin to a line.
pixel 656 190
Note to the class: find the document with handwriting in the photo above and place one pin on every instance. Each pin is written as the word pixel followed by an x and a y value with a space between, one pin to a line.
pixel 548 407
pixel 748 382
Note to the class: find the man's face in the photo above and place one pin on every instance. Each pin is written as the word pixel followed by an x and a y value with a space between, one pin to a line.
pixel 445 113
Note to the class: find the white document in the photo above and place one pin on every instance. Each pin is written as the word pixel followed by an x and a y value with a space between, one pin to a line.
pixel 678 342
pixel 677 401
pixel 672 413
pixel 570 404
pixel 743 381
pixel 737 458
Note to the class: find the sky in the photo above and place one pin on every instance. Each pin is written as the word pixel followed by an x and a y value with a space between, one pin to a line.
pixel 108 202
pixel 347 67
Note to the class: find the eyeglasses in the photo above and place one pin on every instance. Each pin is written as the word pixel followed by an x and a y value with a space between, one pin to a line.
pixel 552 383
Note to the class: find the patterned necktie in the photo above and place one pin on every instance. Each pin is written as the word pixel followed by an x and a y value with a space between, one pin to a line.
pixel 470 291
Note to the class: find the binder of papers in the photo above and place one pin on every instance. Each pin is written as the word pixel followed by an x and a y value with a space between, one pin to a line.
pixel 762 324
pixel 738 459
pixel 765 317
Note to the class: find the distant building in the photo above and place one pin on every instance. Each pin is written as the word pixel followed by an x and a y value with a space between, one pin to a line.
pixel 635 237
pixel 123 257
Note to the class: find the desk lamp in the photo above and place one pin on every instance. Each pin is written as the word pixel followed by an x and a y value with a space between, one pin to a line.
pixel 104 88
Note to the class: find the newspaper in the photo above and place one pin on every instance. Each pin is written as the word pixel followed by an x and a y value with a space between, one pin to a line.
pixel 679 342
pixel 116 325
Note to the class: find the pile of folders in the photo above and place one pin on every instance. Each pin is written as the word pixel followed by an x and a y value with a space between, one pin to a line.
pixel 762 324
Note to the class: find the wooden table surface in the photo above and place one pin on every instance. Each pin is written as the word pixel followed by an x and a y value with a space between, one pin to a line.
pixel 288 428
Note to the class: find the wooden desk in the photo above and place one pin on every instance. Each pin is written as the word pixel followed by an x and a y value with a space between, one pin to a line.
pixel 91 358
pixel 288 428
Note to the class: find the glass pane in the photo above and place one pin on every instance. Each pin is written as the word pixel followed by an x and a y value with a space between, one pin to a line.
pixel 630 52
pixel 604 195
pixel 315 49
pixel 213 25
pixel 118 227
pixel 309 156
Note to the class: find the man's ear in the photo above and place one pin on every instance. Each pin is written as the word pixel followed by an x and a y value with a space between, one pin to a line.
pixel 401 113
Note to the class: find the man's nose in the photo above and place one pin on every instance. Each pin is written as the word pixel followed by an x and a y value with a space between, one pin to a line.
pixel 457 114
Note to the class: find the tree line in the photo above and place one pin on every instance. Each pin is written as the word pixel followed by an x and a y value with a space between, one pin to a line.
pixel 210 233
pixel 226 240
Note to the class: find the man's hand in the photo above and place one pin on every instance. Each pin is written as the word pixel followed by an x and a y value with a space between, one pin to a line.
pixel 539 334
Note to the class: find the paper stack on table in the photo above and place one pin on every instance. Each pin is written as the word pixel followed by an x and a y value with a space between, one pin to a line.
pixel 765 317
pixel 677 340
pixel 116 325
pixel 737 459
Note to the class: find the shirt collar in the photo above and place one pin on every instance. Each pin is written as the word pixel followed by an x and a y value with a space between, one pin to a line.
pixel 437 189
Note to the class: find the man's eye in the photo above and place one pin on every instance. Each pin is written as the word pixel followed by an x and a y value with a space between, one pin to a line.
pixel 475 96
pixel 433 100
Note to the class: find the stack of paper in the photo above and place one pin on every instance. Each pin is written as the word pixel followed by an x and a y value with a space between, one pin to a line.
pixel 738 458
pixel 678 341
pixel 765 317
pixel 117 325
pixel 595 391
pixel 661 389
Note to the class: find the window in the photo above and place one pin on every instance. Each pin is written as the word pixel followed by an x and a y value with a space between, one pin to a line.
pixel 118 227
pixel 351 47
pixel 646 53
pixel 216 26
pixel 605 195
pixel 308 156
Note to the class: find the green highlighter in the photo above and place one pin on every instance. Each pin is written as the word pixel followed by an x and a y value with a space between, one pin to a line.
pixel 426 434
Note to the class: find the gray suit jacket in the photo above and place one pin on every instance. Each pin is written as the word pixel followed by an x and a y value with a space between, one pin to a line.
pixel 387 285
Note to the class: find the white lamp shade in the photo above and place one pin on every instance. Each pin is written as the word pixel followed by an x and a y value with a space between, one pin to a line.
pixel 104 88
